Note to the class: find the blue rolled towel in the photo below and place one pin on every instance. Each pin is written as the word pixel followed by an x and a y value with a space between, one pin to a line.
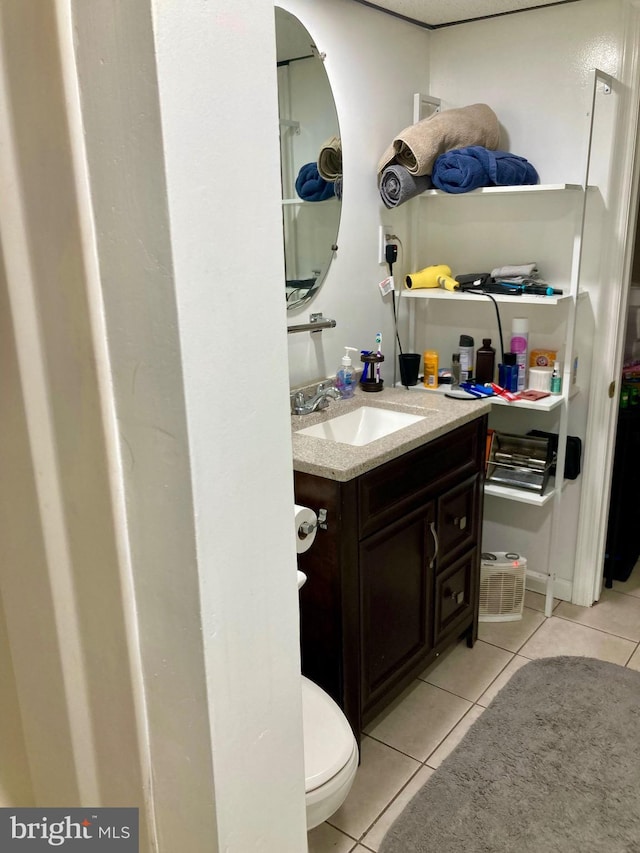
pixel 310 186
pixel 464 169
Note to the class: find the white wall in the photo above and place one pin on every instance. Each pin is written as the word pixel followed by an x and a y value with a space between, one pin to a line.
pixel 60 581
pixel 375 64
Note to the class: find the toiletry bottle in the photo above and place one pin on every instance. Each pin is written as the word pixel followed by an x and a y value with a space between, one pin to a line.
pixel 455 370
pixel 466 357
pixel 520 345
pixel 430 357
pixel 345 375
pixel 485 362
pixel 508 372
pixel 556 379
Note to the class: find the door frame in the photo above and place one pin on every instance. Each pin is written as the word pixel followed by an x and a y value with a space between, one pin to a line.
pixel 603 409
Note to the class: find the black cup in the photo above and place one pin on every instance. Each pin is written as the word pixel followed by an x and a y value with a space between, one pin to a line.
pixel 409 367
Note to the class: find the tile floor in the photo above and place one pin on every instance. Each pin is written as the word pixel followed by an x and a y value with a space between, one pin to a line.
pixel 399 752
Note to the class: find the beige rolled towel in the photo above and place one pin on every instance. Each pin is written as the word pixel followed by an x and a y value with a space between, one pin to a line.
pixel 417 146
pixel 330 159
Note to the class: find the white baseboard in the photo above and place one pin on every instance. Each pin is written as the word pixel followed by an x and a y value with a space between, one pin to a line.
pixel 562 589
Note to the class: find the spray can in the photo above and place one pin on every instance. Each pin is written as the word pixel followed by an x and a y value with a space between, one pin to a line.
pixel 430 357
pixel 466 357
pixel 520 346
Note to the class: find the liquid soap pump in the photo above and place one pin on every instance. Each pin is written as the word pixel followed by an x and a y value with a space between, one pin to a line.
pixel 345 375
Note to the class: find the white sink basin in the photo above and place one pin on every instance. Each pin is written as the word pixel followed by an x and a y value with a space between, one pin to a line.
pixel 361 426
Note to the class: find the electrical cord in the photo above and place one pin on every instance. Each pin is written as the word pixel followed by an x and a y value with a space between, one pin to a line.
pixel 391 255
pixel 489 296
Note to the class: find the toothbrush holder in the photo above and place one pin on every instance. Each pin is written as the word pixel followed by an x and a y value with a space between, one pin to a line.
pixel 371 379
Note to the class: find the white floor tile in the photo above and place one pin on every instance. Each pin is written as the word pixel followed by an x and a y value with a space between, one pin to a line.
pixel 373 838
pixel 468 672
pixel 494 688
pixel 614 613
pixel 419 719
pixel 452 740
pixel 634 662
pixel 562 637
pixel 632 584
pixel 382 773
pixel 511 635
pixel 326 839
pixel 536 601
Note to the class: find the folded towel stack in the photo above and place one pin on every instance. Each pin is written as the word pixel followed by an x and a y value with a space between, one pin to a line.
pixel 310 186
pixel 466 169
pixel 330 159
pixel 415 149
pixel 417 146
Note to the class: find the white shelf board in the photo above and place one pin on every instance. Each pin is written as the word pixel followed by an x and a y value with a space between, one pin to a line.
pixel 457 296
pixel 546 404
pixel 515 190
pixel 303 201
pixel 520 495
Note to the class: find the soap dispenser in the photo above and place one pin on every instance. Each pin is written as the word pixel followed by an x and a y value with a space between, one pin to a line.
pixel 345 375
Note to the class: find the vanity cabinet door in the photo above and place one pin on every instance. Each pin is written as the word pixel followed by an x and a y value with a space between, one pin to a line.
pixel 396 589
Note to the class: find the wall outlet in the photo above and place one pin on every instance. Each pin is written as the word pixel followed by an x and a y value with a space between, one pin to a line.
pixel 384 232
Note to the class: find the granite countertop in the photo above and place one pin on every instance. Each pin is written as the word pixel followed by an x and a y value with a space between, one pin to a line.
pixel 337 461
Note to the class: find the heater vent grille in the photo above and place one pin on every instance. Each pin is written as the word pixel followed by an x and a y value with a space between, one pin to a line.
pixel 502 588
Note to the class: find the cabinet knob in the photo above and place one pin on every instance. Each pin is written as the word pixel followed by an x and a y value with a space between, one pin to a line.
pixel 460 522
pixel 458 597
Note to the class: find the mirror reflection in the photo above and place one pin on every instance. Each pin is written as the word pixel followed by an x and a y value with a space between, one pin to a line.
pixel 310 160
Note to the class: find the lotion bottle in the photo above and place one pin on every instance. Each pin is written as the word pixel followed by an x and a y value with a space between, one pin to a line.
pixel 430 357
pixel 345 375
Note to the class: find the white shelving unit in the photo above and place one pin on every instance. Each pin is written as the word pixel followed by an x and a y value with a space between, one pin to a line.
pixel 567 303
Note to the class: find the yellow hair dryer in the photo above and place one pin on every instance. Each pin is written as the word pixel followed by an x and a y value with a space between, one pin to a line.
pixel 429 277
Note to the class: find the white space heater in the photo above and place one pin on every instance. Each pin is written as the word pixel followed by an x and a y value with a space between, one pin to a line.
pixel 502 576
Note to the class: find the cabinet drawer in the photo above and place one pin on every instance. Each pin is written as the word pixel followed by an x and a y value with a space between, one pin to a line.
pixel 457 520
pixel 454 594
pixel 399 486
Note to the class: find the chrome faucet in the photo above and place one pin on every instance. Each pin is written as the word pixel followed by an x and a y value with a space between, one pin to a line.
pixel 318 401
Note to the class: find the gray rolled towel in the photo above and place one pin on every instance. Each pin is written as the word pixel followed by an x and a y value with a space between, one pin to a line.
pixel 417 146
pixel 398 185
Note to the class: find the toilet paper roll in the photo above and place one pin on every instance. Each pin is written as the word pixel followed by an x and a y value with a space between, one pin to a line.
pixel 305 520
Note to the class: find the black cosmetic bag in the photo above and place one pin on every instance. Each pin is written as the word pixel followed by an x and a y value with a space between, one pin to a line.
pixel 573 455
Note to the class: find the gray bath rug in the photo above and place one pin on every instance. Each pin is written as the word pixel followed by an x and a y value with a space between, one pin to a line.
pixel 552 766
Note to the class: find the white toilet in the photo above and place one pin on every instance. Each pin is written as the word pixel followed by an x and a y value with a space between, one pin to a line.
pixel 330 751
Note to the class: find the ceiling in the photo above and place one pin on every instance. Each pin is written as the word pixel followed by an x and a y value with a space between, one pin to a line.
pixel 443 13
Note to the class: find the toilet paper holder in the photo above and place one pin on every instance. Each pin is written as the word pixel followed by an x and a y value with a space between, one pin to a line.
pixel 306 527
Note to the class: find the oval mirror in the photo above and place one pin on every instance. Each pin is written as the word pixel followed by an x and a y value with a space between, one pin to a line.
pixel 310 160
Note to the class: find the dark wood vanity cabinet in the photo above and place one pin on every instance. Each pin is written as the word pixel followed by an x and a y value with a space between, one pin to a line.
pixel 394 578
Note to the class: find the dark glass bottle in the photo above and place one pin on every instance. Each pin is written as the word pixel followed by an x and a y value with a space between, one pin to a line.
pixel 485 362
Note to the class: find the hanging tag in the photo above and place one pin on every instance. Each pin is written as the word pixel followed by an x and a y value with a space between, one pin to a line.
pixel 386 285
